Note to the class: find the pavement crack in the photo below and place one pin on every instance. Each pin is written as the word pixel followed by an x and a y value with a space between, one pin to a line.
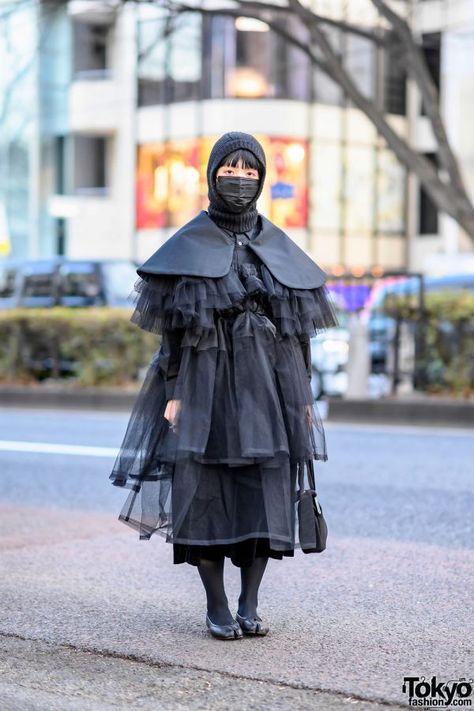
pixel 162 664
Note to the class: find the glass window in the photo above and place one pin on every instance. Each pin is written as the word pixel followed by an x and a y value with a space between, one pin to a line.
pixel 218 57
pixel 427 210
pixel 390 193
pixel 359 189
pixel 359 60
pixel 7 281
pixel 169 69
pixel 167 189
pixel 218 36
pixel 79 280
pixel 38 285
pixel 286 183
pixel 325 90
pixel 260 63
pixel 247 71
pixel 90 164
pixel 185 58
pixel 59 226
pixel 60 165
pixel 172 187
pixel 327 172
pixel 90 50
pixel 431 48
pixel 20 118
pixel 395 82
pixel 151 61
pixel 290 68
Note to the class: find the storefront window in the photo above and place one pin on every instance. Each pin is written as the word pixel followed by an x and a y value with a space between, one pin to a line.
pixel 172 186
pixel 167 187
pixel 287 181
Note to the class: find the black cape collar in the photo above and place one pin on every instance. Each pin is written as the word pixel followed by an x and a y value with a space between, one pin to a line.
pixel 201 248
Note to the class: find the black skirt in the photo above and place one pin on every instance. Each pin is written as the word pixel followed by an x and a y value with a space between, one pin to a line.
pixel 224 481
pixel 241 554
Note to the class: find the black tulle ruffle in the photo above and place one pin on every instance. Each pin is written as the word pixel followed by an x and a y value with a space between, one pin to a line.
pixel 185 301
pixel 298 311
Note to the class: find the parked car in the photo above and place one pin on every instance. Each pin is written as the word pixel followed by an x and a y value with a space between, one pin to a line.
pixel 329 356
pixel 60 281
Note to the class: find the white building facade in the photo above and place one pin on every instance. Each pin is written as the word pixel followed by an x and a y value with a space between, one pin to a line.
pixel 127 120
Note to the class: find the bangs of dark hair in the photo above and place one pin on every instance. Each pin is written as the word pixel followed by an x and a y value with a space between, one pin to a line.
pixel 249 160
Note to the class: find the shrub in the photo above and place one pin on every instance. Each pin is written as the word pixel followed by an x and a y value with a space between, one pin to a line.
pixel 91 346
pixel 448 324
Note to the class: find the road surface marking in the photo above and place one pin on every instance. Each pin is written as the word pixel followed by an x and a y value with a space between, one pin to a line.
pixel 51 448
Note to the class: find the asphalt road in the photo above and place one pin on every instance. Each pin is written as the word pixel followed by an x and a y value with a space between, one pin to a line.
pixel 103 620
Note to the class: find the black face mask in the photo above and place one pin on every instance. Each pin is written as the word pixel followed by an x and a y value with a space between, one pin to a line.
pixel 237 192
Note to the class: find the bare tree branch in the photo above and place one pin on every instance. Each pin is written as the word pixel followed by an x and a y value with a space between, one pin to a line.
pixel 448 193
pixel 330 22
pixel 414 61
pixel 317 61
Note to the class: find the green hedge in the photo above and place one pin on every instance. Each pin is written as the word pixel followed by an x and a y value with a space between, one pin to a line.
pixel 439 306
pixel 89 347
pixel 100 346
pixel 448 321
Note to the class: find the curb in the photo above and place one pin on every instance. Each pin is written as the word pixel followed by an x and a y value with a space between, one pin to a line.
pixel 430 411
pixel 63 398
pixel 424 410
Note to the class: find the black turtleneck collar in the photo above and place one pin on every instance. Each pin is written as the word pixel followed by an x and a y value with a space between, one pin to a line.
pixel 251 233
pixel 218 209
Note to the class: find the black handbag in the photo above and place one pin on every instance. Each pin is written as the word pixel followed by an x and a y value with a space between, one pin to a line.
pixel 312 526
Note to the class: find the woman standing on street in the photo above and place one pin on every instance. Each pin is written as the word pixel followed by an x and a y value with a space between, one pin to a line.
pixel 225 418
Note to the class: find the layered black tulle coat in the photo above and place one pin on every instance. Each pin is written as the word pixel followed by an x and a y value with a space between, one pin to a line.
pixel 235 313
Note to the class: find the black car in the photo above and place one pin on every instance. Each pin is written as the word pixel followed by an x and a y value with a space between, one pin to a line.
pixel 59 281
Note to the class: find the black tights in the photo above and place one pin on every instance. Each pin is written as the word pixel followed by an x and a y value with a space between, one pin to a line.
pixel 212 576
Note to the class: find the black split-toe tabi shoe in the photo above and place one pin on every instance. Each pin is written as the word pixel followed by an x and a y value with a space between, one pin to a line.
pixel 232 631
pixel 252 625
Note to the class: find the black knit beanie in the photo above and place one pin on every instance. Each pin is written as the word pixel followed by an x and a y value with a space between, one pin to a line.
pixel 218 209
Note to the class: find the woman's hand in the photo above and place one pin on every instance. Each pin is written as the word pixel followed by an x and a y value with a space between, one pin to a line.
pixel 172 411
pixel 309 414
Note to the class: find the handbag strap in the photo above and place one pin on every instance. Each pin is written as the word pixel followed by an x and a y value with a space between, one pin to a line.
pixel 311 481
pixel 311 477
pixel 308 463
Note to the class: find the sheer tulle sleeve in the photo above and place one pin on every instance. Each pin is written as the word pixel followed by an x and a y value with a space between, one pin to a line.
pixel 306 348
pixel 170 359
pixel 152 298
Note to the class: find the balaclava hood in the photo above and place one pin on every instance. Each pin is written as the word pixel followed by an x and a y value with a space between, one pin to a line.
pixel 218 210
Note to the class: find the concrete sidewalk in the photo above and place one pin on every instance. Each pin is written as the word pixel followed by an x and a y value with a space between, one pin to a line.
pixel 107 621
pixel 42 676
